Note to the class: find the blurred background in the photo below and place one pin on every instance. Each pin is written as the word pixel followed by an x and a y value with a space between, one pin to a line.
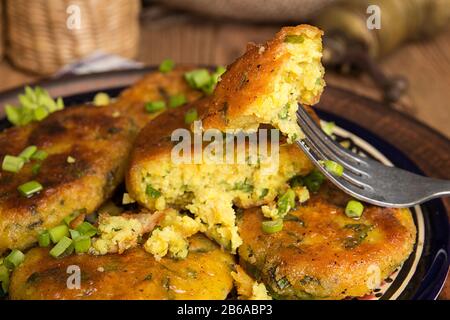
pixel 405 63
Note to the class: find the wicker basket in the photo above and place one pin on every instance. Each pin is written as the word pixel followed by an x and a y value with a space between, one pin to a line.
pixel 39 39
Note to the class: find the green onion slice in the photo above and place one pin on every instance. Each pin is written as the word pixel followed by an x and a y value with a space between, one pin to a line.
pixel 272 226
pixel 190 116
pixel 13 260
pixel 286 202
pixel 155 106
pixel 74 234
pixel 354 209
pixel 87 229
pixel 58 232
pixel 4 278
pixel 28 152
pixel 166 65
pixel 44 239
pixel 197 79
pixel 30 188
pixel 12 164
pixel 334 168
pixel 82 244
pixel 39 155
pixel 177 100
pixel 61 247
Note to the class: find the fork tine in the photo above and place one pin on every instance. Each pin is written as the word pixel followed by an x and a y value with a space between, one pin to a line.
pixel 338 150
pixel 353 179
pixel 345 185
pixel 323 146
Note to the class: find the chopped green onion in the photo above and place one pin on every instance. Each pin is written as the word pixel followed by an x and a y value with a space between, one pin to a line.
pixel 82 244
pixel 155 106
pixel 286 202
pixel 197 79
pixel 166 65
pixel 35 105
pixel 101 99
pixel 12 164
pixel 67 220
pixel 44 239
pixel 71 159
pixel 354 209
pixel 4 278
pixel 28 152
pixel 62 245
pixel 314 180
pixel 177 100
pixel 152 192
pixel 190 116
pixel 328 127
pixel 30 188
pixel 272 226
pixel 334 168
pixel 40 113
pixel 36 168
pixel 74 234
pixel 39 155
pixel 294 38
pixel 13 114
pixel 87 229
pixel 15 258
pixel 58 232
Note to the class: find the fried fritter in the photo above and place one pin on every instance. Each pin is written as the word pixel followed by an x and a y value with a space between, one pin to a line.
pixel 99 139
pixel 204 274
pixel 208 190
pixel 323 254
pixel 99 143
pixel 267 82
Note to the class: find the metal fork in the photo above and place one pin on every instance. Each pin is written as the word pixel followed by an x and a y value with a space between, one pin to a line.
pixel 366 179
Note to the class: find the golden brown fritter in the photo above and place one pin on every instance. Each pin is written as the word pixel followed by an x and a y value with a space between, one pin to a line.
pixel 321 253
pixel 204 274
pixel 100 139
pixel 208 190
pixel 265 84
pixel 99 143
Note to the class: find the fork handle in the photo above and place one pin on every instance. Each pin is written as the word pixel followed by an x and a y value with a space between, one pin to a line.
pixel 437 187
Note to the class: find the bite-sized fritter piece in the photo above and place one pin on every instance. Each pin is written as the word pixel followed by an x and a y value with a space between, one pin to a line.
pixel 99 144
pixel 321 253
pixel 204 274
pixel 267 82
pixel 208 190
pixel 155 86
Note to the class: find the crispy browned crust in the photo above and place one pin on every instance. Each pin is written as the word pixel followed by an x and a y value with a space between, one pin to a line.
pixel 204 274
pixel 249 77
pixel 316 256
